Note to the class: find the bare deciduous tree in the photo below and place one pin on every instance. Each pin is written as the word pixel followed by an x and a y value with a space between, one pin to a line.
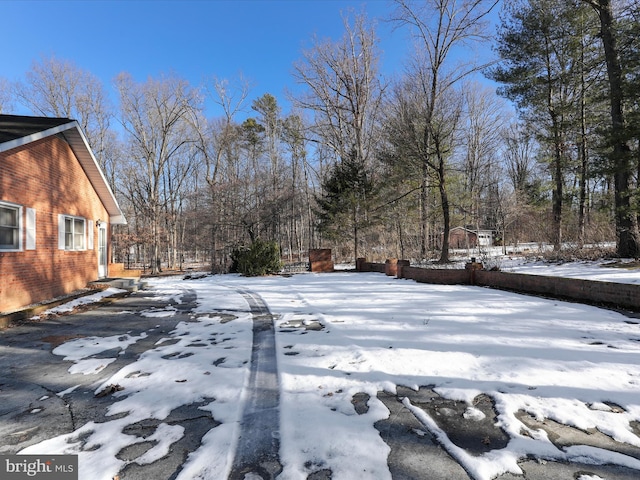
pixel 482 123
pixel 344 93
pixel 518 155
pixel 155 116
pixel 5 95
pixel 217 143
pixel 344 89
pixel 271 122
pixel 302 176
pixel 59 88
pixel 438 27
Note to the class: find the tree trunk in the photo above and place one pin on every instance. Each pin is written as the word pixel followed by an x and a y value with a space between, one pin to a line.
pixel 444 199
pixel 583 179
pixel 355 233
pixel 556 171
pixel 627 241
pixel 155 256
pixel 582 151
pixel 557 197
pixel 638 184
pixel 424 214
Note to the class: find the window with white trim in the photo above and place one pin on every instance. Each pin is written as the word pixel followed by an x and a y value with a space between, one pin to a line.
pixel 71 233
pixel 10 225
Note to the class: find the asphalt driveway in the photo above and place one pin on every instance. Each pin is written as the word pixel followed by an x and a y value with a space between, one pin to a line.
pixel 32 379
pixel 42 399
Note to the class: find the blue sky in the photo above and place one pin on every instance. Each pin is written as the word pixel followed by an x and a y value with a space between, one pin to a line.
pixel 194 39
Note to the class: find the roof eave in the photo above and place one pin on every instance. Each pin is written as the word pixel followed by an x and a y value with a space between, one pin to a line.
pixel 80 146
pixel 117 220
pixel 81 149
pixel 18 142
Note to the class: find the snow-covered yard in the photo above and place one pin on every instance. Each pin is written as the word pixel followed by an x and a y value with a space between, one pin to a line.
pixel 343 334
pixel 601 271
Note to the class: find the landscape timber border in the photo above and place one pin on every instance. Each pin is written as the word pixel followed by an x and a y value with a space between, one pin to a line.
pixel 610 294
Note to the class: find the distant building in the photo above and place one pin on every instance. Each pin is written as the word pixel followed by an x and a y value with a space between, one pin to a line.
pixel 56 211
pixel 461 237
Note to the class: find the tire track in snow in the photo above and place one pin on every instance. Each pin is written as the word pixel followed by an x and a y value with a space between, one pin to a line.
pixel 257 452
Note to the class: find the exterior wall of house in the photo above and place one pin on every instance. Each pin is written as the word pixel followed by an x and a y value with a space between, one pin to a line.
pixel 485 238
pixel 459 238
pixel 45 176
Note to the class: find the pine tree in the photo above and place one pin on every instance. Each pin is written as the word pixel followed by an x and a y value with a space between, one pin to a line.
pixel 344 207
pixel 620 155
pixel 540 71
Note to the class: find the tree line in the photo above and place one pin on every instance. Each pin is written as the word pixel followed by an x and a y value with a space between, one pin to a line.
pixel 375 166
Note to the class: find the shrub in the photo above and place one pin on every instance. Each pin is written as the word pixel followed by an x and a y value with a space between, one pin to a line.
pixel 261 258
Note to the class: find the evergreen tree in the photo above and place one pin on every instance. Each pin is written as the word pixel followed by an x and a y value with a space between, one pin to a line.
pixel 630 62
pixel 620 153
pixel 259 259
pixel 344 207
pixel 539 44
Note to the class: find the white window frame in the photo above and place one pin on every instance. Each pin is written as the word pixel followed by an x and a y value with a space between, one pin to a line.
pixel 18 227
pixel 68 238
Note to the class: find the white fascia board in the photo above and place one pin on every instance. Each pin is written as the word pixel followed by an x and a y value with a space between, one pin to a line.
pixel 90 165
pixel 117 220
pixel 86 159
pixel 18 142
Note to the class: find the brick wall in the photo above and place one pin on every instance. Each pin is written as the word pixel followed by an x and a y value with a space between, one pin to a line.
pixel 588 291
pixel 585 291
pixel 320 260
pixel 46 176
pixel 392 266
pixel 433 275
pixel 363 266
